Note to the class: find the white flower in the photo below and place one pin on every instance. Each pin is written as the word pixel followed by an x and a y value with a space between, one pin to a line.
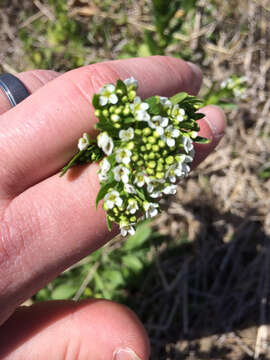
pixel 132 206
pixel 139 109
pixel 121 173
pixel 127 229
pixel 158 123
pixel 129 189
pixel 131 83
pixel 165 102
pixel 152 185
pixel 104 168
pixel 151 209
pixel 105 143
pixel 170 134
pixel 83 142
pixel 126 135
pixel 156 194
pixel 123 156
pixel 177 113
pixel 188 144
pixel 173 171
pixel 171 189
pixel 107 95
pixel 140 179
pixel 112 198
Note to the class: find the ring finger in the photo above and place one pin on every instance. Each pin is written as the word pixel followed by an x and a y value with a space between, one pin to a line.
pixel 32 80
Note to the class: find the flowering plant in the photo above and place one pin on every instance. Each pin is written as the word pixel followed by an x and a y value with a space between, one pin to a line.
pixel 145 147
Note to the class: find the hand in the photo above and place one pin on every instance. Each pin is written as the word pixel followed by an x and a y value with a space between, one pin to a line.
pixel 47 223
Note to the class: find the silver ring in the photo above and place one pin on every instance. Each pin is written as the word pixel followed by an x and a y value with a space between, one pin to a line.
pixel 13 88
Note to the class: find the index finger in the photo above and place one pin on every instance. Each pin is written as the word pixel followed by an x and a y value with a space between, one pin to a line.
pixel 39 135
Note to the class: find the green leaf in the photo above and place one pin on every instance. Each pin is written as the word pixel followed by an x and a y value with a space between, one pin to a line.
pixel 201 140
pixel 64 291
pixel 176 99
pixel 114 278
pixel 142 234
pixel 132 262
pixel 95 101
pixel 198 116
pixel 121 86
pixel 103 190
pixel 155 108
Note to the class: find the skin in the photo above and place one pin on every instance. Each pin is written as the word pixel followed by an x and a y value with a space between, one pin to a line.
pixel 48 223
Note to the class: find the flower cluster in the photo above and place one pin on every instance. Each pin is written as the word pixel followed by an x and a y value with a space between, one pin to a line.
pixel 147 146
pixel 236 84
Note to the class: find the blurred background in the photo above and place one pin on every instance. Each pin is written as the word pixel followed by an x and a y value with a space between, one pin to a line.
pixel 199 275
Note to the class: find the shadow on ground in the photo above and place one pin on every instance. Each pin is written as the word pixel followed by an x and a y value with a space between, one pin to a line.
pixel 218 284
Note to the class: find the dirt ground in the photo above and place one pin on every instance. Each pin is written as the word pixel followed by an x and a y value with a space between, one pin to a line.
pixel 209 299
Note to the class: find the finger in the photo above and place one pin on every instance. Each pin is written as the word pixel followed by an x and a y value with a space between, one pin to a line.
pixel 61 111
pixel 57 223
pixel 32 80
pixel 92 329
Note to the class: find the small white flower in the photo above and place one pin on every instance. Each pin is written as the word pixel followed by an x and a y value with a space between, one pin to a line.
pixel 140 179
pixel 121 173
pixel 107 95
pixel 112 198
pixel 104 168
pixel 159 123
pixel 83 142
pixel 126 135
pixel 132 206
pixel 177 113
pixel 131 83
pixel 188 144
pixel 139 109
pixel 152 185
pixel 156 194
pixel 170 134
pixel 170 190
pixel 127 229
pixel 151 209
pixel 123 156
pixel 105 142
pixel 165 102
pixel 129 189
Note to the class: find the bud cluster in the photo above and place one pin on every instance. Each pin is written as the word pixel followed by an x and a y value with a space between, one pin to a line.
pixel 146 146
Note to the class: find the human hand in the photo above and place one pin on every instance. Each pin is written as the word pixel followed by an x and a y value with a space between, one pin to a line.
pixel 48 223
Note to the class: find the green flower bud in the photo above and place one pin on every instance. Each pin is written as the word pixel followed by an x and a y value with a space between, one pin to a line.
pixel 146 157
pixel 112 109
pixel 150 171
pixel 117 125
pixel 155 147
pixel 160 167
pixel 131 95
pixel 156 134
pixel 118 110
pixel 138 132
pixel 126 111
pixel 143 148
pixel 97 113
pixel 161 160
pixel 115 117
pixel 152 164
pixel 164 152
pixel 105 112
pixel 148 147
pixel 130 145
pixel 152 155
pixel 145 140
pixel 135 157
pixel 133 219
pixel 119 92
pixel 140 163
pixel 161 143
pixel 160 175
pixel 147 131
pixel 124 99
pixel 151 140
pixel 169 160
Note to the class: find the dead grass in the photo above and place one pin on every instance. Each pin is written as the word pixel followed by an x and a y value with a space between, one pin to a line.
pixel 209 297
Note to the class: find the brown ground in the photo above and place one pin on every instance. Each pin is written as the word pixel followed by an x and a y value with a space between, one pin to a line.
pixel 209 297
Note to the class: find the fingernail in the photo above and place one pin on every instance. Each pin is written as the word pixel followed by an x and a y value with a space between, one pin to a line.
pixel 195 69
pixel 125 354
pixel 217 122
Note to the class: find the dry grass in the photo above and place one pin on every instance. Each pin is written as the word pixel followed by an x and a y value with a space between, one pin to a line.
pixel 209 297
